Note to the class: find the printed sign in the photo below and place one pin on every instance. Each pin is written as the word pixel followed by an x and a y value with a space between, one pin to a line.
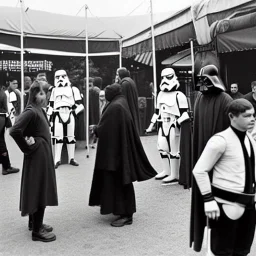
pixel 29 65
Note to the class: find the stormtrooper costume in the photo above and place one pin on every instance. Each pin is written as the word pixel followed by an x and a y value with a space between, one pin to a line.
pixel 64 104
pixel 171 112
pixel 11 98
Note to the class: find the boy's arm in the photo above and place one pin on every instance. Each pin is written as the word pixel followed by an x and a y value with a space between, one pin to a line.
pixel 210 156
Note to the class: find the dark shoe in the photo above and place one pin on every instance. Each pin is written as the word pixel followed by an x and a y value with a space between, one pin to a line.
pixel 121 221
pixel 47 228
pixel 170 182
pixel 57 164
pixel 43 236
pixel 10 170
pixel 73 162
pixel 161 178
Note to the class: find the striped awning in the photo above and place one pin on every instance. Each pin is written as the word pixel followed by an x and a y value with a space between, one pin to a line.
pixel 144 58
pixel 182 58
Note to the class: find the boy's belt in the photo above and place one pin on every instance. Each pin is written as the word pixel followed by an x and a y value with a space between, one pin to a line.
pixel 241 198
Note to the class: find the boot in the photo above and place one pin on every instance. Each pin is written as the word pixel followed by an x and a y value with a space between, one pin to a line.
pixel 74 162
pixel 48 228
pixel 43 236
pixel 10 170
pixel 122 221
pixel 174 176
pixel 166 167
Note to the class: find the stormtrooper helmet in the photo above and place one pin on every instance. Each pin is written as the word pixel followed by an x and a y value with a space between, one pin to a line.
pixel 61 79
pixel 169 80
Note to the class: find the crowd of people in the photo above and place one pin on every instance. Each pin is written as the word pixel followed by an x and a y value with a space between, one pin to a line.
pixel 219 165
pixel 120 157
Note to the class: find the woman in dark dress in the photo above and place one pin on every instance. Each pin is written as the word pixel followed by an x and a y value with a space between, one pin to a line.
pixel 38 183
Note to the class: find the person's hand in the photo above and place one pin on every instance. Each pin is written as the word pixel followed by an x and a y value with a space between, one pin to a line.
pixel 92 129
pixel 212 210
pixel 30 140
pixel 150 128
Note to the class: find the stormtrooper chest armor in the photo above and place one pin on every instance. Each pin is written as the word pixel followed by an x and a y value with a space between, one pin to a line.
pixel 63 97
pixel 167 104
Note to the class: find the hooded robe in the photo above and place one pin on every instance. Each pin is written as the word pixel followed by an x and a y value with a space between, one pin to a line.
pixel 120 159
pixel 210 117
pixel 129 90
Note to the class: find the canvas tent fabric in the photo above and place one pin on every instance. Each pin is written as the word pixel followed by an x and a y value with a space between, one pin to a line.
pixel 144 58
pixel 239 40
pixel 237 32
pixel 66 34
pixel 58 32
pixel 176 30
pixel 177 57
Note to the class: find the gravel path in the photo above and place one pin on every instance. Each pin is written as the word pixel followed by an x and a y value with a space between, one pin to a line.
pixel 160 227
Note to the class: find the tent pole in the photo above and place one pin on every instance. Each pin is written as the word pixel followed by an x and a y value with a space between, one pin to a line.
pixel 153 54
pixel 193 62
pixel 87 83
pixel 120 54
pixel 21 56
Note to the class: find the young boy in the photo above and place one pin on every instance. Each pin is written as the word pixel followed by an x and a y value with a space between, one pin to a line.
pixel 225 175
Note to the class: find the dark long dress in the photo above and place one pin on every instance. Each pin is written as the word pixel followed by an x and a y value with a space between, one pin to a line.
pixel 210 117
pixel 94 114
pixel 120 160
pixel 38 183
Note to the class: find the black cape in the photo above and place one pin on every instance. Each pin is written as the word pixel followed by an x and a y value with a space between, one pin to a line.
pixel 119 144
pixel 185 170
pixel 38 182
pixel 210 117
pixel 119 149
pixel 129 90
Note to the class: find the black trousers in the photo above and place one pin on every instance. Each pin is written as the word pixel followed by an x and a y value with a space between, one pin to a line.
pixel 233 237
pixel 36 219
pixel 5 160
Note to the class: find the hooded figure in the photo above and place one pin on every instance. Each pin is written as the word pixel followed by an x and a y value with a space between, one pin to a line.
pixel 120 160
pixel 210 117
pixel 129 90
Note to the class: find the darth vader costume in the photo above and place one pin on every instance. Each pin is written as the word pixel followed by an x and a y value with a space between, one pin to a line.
pixel 210 117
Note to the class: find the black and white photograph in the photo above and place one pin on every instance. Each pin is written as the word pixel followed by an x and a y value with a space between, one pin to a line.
pixel 128 128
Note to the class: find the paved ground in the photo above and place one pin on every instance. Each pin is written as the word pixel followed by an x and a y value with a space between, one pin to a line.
pixel 161 224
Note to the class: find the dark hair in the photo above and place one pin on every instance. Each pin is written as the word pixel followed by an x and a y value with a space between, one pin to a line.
pixel 253 84
pixel 123 72
pixel 97 81
pixel 111 91
pixel 239 106
pixel 35 88
pixel 42 71
pixel 11 78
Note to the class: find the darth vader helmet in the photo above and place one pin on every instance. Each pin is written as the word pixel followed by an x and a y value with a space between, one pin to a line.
pixel 208 79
